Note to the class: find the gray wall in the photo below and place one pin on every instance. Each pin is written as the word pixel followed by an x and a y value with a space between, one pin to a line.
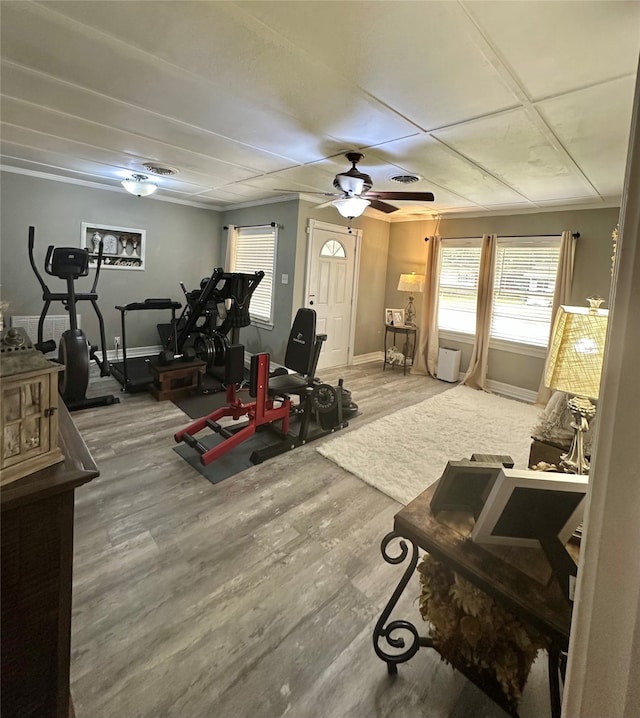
pixel 592 268
pixel 183 244
pixel 285 215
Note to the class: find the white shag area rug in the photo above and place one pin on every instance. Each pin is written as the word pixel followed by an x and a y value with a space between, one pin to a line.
pixel 404 453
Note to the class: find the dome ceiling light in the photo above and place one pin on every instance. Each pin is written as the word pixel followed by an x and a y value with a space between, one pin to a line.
pixel 139 185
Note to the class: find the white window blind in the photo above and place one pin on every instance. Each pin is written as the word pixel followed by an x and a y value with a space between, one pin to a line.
pixel 459 270
pixel 254 249
pixel 524 283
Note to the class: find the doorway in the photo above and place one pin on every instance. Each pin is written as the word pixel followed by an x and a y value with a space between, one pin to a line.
pixel 331 283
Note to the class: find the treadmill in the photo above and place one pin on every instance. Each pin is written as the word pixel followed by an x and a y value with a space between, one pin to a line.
pixel 134 373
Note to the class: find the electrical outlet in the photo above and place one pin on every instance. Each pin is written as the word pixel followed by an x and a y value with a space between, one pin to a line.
pixel 116 342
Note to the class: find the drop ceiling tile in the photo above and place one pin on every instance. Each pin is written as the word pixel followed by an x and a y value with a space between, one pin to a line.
pixel 582 119
pixel 276 104
pixel 555 47
pixel 57 153
pixel 43 90
pixel 106 139
pixel 413 56
pixel 513 149
pixel 438 164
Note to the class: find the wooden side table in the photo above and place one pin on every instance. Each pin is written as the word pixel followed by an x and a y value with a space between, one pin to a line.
pixel 37 561
pixel 408 337
pixel 517 578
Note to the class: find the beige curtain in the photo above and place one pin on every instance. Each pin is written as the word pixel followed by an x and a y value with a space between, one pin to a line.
pixel 230 254
pixel 476 375
pixel 427 354
pixel 561 295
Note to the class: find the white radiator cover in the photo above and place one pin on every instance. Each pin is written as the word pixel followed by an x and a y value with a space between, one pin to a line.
pixel 54 325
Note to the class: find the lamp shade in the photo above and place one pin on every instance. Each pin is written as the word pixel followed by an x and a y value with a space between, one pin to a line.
pixel 411 283
pixel 351 207
pixel 574 361
pixel 138 185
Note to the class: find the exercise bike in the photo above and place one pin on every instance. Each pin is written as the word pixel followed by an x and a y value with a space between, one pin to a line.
pixel 74 350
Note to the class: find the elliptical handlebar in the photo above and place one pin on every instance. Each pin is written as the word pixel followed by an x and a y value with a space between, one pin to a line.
pixel 94 286
pixel 32 234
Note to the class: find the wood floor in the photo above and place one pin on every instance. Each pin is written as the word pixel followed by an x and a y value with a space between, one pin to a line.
pixel 252 598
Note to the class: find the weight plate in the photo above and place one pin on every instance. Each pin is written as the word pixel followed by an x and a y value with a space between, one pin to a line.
pixel 350 409
pixel 324 398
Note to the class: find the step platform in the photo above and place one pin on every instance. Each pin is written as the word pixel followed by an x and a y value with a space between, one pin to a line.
pixel 176 380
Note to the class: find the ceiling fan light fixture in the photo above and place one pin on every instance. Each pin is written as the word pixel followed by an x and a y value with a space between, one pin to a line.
pixel 139 185
pixel 351 207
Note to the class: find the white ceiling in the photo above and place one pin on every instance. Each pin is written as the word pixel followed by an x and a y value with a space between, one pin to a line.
pixel 497 106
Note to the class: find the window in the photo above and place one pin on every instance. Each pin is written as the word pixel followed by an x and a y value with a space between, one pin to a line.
pixel 523 287
pixel 254 249
pixel 459 270
pixel 332 248
pixel 524 283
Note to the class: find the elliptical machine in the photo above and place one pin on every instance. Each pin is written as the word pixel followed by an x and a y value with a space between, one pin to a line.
pixel 74 350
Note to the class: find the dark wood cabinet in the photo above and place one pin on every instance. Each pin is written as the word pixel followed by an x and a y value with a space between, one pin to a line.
pixel 37 567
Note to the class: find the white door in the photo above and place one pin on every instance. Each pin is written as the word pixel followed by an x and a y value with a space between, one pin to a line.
pixel 330 287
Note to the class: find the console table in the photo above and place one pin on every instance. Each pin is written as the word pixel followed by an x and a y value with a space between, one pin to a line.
pixel 517 578
pixel 408 338
pixel 37 560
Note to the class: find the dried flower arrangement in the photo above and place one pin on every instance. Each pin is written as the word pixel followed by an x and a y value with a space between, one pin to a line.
pixel 475 634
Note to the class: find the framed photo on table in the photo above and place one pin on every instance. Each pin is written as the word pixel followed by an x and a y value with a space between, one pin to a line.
pixel 524 503
pixel 122 247
pixel 464 486
pixel 394 317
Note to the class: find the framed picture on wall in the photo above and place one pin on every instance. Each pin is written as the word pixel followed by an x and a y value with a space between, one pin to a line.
pixel 122 247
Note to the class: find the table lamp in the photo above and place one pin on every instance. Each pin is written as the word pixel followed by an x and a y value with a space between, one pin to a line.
pixel 410 283
pixel 574 365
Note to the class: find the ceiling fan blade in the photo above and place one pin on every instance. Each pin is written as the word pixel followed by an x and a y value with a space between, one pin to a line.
pixel 324 204
pixel 309 191
pixel 419 196
pixel 381 206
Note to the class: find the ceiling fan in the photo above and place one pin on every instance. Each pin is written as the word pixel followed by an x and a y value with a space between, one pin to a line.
pixel 355 194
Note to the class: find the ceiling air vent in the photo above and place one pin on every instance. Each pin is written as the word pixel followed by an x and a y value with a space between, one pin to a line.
pixel 405 179
pixel 161 171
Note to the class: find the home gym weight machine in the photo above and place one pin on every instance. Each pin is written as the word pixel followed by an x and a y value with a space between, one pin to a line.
pixel 204 325
pixel 196 334
pixel 75 352
pixel 320 404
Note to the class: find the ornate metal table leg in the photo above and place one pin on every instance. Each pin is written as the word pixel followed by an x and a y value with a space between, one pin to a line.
pixel 394 627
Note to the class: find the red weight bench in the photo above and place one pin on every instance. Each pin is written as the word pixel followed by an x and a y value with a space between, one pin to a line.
pixel 272 394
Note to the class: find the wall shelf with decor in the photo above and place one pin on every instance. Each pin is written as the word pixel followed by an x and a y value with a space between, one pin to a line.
pixel 123 248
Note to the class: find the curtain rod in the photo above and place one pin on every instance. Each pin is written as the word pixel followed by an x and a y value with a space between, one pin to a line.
pixel 251 226
pixel 575 235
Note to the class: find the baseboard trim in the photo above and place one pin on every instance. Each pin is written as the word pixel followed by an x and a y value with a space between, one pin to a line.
pixel 366 358
pixel 133 352
pixel 513 392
